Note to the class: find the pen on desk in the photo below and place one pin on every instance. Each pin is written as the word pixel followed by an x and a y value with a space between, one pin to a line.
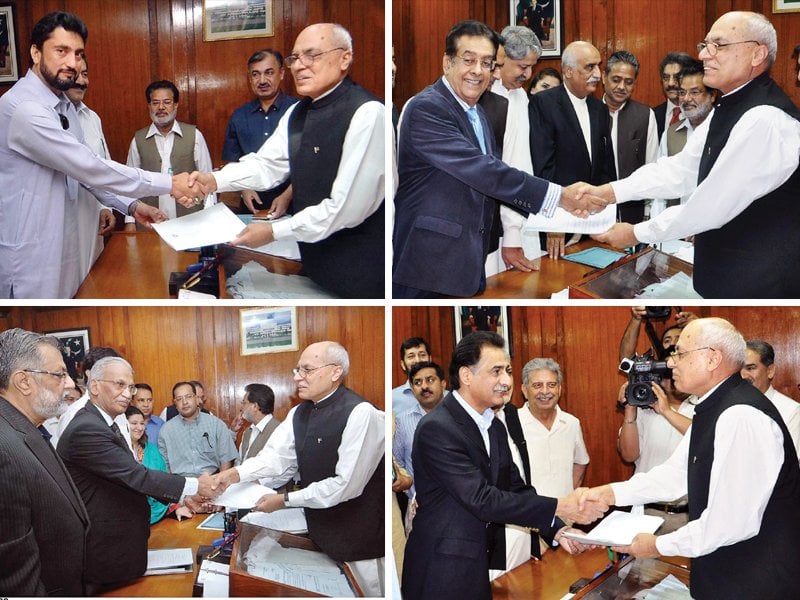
pixel 196 277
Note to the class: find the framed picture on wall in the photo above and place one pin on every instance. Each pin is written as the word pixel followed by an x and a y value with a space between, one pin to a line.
pixel 9 65
pixel 236 19
pixel 74 345
pixel 785 6
pixel 543 17
pixel 268 330
pixel 483 318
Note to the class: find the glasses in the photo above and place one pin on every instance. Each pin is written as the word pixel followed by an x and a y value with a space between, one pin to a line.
pixel 713 47
pixel 307 59
pixel 487 64
pixel 305 371
pixel 676 356
pixel 691 93
pixel 184 397
pixel 164 103
pixel 121 386
pixel 62 375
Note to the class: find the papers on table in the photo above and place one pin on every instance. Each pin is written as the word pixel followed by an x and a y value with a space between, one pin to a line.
pixel 291 520
pixel 595 257
pixel 678 286
pixel 213 576
pixel 242 495
pixel 618 529
pixel 214 521
pixel 169 560
pixel 563 221
pixel 213 225
pixel 669 588
pixel 255 281
pixel 284 248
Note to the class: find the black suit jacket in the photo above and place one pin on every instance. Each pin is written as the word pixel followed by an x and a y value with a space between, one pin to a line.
pixel 661 117
pixel 115 489
pixel 463 497
pixel 496 108
pixel 43 522
pixel 557 146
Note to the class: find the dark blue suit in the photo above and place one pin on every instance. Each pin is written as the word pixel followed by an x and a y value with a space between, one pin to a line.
pixel 446 197
pixel 464 496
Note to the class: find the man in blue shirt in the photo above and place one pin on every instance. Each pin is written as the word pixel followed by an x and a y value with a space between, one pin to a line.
pixel 252 123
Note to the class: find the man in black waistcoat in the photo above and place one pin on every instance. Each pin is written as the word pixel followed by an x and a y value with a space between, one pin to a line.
pixel 739 466
pixel 740 169
pixel 332 142
pixel 334 441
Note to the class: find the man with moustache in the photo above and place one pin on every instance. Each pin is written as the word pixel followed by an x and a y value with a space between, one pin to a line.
pixel 168 146
pixel 467 484
pixel 333 144
pixel 450 177
pixel 113 484
pixel 571 129
pixel 744 220
pixel 43 164
pixel 42 517
pixel 333 440
pixel 413 350
pixel 143 400
pixel 739 466
pixel 668 112
pixel 253 123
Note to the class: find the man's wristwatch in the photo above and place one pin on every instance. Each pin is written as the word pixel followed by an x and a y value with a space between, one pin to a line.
pixel 132 207
pixel 286 497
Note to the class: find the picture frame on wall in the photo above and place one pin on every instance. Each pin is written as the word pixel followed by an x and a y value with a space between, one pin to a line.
pixel 264 330
pixel 472 318
pixel 74 346
pixel 785 6
pixel 237 19
pixel 543 17
pixel 9 64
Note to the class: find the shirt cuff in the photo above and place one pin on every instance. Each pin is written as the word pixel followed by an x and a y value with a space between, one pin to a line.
pixel 282 230
pixel 551 200
pixel 189 488
pixel 644 234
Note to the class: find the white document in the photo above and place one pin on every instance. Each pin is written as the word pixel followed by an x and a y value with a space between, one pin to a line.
pixel 291 520
pixel 563 221
pixel 284 248
pixel 670 588
pixel 213 225
pixel 169 560
pixel 618 529
pixel 242 495
pixel 213 576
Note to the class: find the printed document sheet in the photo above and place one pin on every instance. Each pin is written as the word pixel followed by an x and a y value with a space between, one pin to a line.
pixel 618 529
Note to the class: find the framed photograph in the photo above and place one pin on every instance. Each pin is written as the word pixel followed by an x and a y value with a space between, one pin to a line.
pixel 543 17
pixel 483 318
pixel 74 345
pixel 236 19
pixel 9 65
pixel 785 6
pixel 268 330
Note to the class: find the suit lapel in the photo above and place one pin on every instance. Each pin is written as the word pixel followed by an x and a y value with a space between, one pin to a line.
pixel 460 116
pixel 118 440
pixel 572 118
pixel 469 429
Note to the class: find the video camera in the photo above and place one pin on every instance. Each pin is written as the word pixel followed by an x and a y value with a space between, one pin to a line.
pixel 643 370
pixel 658 313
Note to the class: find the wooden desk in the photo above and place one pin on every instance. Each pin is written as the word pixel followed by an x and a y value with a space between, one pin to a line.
pixel 169 533
pixel 138 265
pixel 553 276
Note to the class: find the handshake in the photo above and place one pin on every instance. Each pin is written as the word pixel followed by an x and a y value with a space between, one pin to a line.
pixel 584 505
pixel 582 199
pixel 209 487
pixel 190 189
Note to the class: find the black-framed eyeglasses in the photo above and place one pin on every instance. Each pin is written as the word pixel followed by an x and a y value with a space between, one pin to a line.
pixel 487 64
pixel 305 371
pixel 64 121
pixel 691 93
pixel 307 59
pixel 676 356
pixel 184 397
pixel 713 47
pixel 62 375
pixel 121 385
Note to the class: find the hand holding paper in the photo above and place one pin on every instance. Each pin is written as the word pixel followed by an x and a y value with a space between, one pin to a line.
pixel 270 503
pixel 643 546
pixel 620 236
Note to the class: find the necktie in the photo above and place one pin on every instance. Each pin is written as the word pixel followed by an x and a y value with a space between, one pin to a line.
pixel 118 433
pixel 45 434
pixel 676 113
pixel 475 119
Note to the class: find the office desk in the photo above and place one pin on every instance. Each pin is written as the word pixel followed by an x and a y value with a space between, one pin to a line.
pixel 553 276
pixel 169 533
pixel 138 265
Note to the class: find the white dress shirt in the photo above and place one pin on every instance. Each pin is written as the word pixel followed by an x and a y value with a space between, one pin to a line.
pixel 582 112
pixel 66 418
pixel 748 454
pixel 790 413
pixel 657 437
pixel 357 191
pixel 255 430
pixel 733 183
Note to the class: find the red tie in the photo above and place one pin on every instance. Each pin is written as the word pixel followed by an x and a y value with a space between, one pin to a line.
pixel 675 114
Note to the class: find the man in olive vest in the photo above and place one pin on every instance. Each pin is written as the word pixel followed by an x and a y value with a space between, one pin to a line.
pixel 168 146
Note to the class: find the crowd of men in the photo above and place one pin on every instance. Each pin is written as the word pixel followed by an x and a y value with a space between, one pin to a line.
pixel 476 154
pixel 490 486
pixel 85 478
pixel 59 183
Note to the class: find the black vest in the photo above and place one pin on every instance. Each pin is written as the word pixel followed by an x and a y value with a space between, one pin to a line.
pixel 352 530
pixel 766 565
pixel 757 253
pixel 349 262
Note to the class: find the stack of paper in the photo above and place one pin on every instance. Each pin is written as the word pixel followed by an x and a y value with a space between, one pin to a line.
pixel 618 529
pixel 169 560
pixel 291 520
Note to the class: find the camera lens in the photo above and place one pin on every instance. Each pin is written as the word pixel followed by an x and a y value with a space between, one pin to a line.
pixel 641 392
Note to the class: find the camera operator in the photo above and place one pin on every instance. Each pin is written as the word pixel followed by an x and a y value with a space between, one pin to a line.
pixel 630 338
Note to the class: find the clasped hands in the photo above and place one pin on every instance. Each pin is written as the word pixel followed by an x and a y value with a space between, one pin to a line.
pixel 582 199
pixel 189 189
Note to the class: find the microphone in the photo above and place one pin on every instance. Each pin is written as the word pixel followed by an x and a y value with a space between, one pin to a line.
pixel 205 435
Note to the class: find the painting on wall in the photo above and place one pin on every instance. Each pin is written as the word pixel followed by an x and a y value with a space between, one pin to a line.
pixel 236 19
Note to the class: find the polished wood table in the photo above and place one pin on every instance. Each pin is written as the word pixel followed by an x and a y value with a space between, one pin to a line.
pixel 170 533
pixel 552 276
pixel 138 265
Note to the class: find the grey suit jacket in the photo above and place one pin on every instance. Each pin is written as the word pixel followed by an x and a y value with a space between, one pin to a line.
pixel 43 522
pixel 260 441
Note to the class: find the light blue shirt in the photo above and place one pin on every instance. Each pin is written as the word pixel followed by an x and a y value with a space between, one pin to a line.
pixel 482 420
pixel 405 426
pixel 403 399
pixel 191 448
